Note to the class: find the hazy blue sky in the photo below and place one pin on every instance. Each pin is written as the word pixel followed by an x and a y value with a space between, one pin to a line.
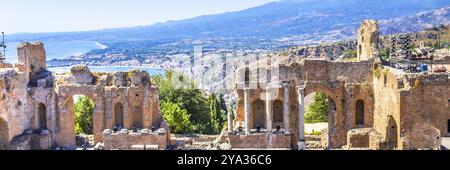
pixel 19 16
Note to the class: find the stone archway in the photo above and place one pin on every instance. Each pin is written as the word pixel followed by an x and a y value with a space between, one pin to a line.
pixel 87 101
pixel 4 134
pixel 320 132
pixel 334 136
pixel 392 134
pixel 359 113
pixel 137 117
pixel 66 114
pixel 118 115
pixel 42 111
pixel 277 113
pixel 259 114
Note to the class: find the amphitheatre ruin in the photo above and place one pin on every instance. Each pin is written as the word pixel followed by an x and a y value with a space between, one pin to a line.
pixel 374 104
pixel 37 109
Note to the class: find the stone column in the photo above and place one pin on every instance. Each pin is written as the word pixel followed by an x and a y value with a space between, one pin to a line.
pixel 301 117
pixel 269 110
pixel 230 122
pixel 286 108
pixel 247 110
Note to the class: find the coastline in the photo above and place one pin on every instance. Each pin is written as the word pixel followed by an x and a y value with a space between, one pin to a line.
pixel 97 44
pixel 150 70
pixel 59 50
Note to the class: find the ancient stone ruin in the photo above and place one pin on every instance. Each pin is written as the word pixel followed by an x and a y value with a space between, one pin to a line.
pixel 368 40
pixel 37 106
pixel 372 105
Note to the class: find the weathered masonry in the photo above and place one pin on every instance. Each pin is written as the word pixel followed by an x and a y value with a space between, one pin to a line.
pixel 371 105
pixel 37 106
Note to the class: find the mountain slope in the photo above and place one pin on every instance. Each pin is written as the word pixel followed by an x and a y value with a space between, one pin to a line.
pixel 303 19
pixel 416 23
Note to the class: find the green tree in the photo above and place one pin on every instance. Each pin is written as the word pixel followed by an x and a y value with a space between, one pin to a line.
pixel 176 117
pixel 350 54
pixel 84 110
pixel 317 111
pixel 224 108
pixel 217 112
pixel 205 114
pixel 385 53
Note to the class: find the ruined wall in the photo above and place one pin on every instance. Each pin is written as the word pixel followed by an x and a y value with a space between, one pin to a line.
pixel 31 58
pixel 368 40
pixel 20 100
pixel 425 111
pixel 261 140
pixel 126 139
pixel 411 111
pixel 387 106
pixel 132 90
pixel 323 70
pixel 343 82
pixel 37 107
pixel 15 105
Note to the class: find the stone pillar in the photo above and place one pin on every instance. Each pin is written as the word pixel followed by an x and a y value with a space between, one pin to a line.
pixel 247 110
pixel 230 122
pixel 269 110
pixel 301 117
pixel 286 108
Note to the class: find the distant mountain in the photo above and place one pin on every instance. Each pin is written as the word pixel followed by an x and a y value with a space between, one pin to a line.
pixel 301 19
pixel 416 23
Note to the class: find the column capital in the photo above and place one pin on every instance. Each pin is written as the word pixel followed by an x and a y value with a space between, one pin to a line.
pixel 301 86
pixel 301 90
pixel 285 84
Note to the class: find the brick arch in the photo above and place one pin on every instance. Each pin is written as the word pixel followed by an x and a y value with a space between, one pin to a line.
pixel 360 112
pixel 313 88
pixel 392 133
pixel 332 95
pixel 4 134
pixel 119 114
pixel 336 122
pixel 332 105
pixel 277 111
pixel 258 113
pixel 42 115
pixel 66 114
pixel 137 116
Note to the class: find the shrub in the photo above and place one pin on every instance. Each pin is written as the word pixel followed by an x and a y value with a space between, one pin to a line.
pixel 206 113
pixel 84 111
pixel 317 111
pixel 176 117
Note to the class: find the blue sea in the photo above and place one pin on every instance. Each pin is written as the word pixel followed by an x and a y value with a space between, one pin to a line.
pixel 56 49
pixel 67 49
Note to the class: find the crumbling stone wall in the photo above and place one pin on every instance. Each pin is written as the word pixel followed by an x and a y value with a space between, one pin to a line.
pixel 429 94
pixel 131 89
pixel 126 139
pixel 31 58
pixel 343 82
pixel 411 110
pixel 3 134
pixel 37 107
pixel 368 40
pixel 261 140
